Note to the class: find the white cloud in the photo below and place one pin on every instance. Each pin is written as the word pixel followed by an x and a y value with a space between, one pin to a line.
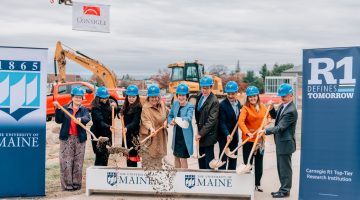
pixel 147 35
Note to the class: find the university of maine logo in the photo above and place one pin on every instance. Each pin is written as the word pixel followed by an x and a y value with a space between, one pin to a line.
pixel 20 91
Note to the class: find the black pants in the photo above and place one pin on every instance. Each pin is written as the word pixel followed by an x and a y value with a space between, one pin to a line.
pixel 209 156
pixel 131 163
pixel 101 154
pixel 232 162
pixel 258 161
pixel 284 171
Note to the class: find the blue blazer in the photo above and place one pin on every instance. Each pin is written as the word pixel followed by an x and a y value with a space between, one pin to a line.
pixel 186 113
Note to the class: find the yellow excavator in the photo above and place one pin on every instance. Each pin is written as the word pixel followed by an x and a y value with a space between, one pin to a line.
pixel 105 74
pixel 190 73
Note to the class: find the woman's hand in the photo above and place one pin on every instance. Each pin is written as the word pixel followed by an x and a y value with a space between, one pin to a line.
pixel 56 104
pixel 197 137
pixel 173 122
pixel 271 104
pixel 250 135
pixel 165 124
pixel 113 104
pixel 152 131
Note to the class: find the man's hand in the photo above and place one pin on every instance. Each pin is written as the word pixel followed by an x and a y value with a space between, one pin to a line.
pixel 79 119
pixel 262 132
pixel 112 128
pixel 271 104
pixel 229 138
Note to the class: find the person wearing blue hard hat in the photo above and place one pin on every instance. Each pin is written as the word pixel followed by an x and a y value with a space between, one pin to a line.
pixel 206 115
pixel 252 114
pixel 154 123
pixel 182 142
pixel 72 140
pixel 101 114
pixel 284 135
pixel 131 111
pixel 228 118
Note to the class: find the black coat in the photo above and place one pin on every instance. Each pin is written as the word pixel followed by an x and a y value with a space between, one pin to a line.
pixel 101 117
pixel 61 117
pixel 227 122
pixel 132 123
pixel 207 120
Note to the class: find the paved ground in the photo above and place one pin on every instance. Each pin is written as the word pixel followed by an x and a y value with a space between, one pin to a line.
pixel 270 181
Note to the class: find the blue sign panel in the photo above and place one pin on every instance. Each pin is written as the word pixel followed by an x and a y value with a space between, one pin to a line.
pixel 22 121
pixel 330 140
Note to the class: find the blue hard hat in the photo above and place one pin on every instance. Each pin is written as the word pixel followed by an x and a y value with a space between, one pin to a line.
pixel 182 89
pixel 252 91
pixel 102 92
pixel 231 86
pixel 77 91
pixel 284 90
pixel 153 91
pixel 132 90
pixel 206 81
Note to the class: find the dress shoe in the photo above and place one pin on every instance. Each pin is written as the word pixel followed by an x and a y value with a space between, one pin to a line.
pixel 257 188
pixel 272 193
pixel 281 194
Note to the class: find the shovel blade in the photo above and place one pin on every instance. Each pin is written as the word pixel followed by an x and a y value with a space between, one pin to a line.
pixel 197 156
pixel 243 169
pixel 230 154
pixel 201 156
pixel 215 163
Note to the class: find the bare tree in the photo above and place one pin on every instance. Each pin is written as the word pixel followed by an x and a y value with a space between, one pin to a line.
pixel 162 78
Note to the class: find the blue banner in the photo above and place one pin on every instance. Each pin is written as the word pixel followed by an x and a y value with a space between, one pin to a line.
pixel 22 121
pixel 330 140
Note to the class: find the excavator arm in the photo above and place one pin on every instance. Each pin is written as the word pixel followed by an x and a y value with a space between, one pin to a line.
pixel 106 75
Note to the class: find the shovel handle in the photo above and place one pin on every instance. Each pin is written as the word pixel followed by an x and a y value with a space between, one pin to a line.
pixel 238 147
pixel 151 135
pixel 258 135
pixel 123 130
pixel 113 123
pixel 228 141
pixel 77 122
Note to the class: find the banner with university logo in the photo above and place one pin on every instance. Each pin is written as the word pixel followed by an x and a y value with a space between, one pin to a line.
pixel 22 121
pixel 91 17
pixel 330 140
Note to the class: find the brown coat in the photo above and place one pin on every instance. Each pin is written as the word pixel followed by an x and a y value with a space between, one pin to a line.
pixel 152 117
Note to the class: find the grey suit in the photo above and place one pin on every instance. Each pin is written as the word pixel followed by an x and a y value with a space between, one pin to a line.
pixel 284 135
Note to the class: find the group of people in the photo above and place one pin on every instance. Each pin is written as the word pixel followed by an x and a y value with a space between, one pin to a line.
pixel 214 124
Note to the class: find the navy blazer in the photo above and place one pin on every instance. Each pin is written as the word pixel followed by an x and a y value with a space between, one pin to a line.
pixel 227 120
pixel 61 117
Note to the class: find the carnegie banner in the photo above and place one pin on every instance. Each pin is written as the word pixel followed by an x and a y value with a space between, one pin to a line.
pixel 330 140
pixel 22 121
pixel 91 17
